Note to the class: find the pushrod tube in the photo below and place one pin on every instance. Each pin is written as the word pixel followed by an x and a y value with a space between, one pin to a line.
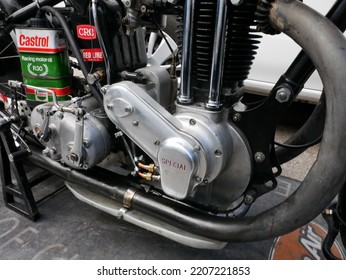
pixel 322 183
pixel 214 100
pixel 185 96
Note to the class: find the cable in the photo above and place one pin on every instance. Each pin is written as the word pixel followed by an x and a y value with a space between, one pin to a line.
pixel 74 47
pixel 163 36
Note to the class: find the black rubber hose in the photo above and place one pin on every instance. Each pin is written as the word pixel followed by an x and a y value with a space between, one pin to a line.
pixel 75 49
pixel 19 12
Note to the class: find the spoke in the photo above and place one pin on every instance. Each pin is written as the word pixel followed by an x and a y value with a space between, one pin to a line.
pixel 151 44
pixel 163 52
pixel 9 57
pixel 9 45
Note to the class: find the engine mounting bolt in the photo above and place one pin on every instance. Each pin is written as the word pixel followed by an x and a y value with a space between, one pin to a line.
pixel 236 117
pixel 193 122
pixel 128 109
pixel 198 179
pixel 283 94
pixel 109 106
pixel 135 123
pixel 249 199
pixel 218 153
pixel 156 142
pixel 73 157
pixel 197 148
pixel 259 157
pixel 143 9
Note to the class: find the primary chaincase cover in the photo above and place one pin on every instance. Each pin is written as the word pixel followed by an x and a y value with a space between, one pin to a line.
pixel 192 148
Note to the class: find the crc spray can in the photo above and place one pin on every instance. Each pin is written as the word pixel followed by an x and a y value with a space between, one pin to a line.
pixel 45 63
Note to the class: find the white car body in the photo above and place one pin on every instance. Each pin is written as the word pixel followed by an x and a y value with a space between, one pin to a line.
pixel 274 56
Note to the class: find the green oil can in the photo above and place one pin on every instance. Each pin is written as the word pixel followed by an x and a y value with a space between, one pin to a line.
pixel 45 63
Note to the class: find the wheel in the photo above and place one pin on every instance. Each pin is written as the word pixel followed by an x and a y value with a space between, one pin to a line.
pixel 159 50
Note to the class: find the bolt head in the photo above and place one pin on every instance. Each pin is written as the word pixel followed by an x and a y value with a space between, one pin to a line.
pixel 249 199
pixel 259 157
pixel 192 122
pixel 135 123
pixel 127 3
pixel 157 142
pixel 143 9
pixel 283 95
pixel 197 148
pixel 236 117
pixel 198 179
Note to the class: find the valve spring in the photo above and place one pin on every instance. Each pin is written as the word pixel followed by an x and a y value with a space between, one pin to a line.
pixel 241 44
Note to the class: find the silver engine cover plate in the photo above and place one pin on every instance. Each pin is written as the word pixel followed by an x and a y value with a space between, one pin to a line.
pixel 191 148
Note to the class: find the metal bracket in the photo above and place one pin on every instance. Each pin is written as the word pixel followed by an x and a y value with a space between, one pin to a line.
pixel 11 163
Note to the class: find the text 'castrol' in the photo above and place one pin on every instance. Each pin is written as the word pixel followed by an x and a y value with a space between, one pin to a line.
pixel 33 41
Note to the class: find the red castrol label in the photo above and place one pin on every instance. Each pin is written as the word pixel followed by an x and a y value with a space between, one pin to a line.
pixel 40 40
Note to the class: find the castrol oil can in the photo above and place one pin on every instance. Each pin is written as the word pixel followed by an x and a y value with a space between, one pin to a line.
pixel 45 63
